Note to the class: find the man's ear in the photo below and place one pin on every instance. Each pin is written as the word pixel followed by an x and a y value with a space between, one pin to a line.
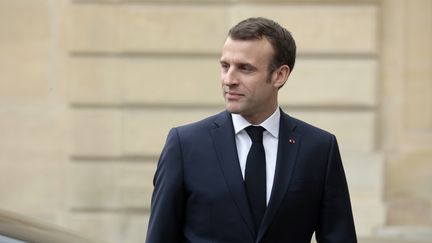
pixel 281 76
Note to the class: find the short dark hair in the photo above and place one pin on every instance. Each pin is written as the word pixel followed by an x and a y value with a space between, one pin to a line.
pixel 283 43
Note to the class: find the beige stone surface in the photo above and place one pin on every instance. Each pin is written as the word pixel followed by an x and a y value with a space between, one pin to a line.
pixel 368 217
pixel 355 130
pixel 91 27
pixel 419 65
pixel 409 175
pixel 30 185
pixel 34 14
pixel 172 28
pixel 145 130
pixel 135 185
pixel 406 233
pixel 181 80
pixel 162 28
pixel 352 81
pixel 33 153
pixel 110 227
pixel 152 28
pixel 405 211
pixel 24 63
pixel 17 70
pixel 392 73
pixel 364 172
pixel 95 80
pixel 407 137
pixel 116 185
pixel 33 116
pixel 320 28
pixel 97 132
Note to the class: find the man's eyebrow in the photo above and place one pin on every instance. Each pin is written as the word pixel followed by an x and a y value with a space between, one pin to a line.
pixel 247 65
pixel 239 65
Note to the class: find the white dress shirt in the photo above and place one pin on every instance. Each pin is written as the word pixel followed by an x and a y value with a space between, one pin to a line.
pixel 270 142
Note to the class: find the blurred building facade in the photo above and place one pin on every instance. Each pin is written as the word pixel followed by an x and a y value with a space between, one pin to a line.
pixel 90 88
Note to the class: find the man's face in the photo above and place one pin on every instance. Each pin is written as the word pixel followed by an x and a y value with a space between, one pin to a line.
pixel 247 87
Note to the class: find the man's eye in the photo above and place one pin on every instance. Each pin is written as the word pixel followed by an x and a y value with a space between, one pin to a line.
pixel 246 68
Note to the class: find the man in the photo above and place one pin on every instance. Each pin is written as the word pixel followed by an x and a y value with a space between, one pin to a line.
pixel 251 173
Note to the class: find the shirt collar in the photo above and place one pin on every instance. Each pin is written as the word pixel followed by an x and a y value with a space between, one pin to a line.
pixel 271 124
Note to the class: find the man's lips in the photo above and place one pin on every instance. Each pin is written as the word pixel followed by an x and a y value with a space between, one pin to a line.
pixel 232 95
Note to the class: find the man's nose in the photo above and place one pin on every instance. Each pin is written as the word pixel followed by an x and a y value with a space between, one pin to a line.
pixel 229 78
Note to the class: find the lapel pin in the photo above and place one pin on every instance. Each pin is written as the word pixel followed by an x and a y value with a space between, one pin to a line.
pixel 291 141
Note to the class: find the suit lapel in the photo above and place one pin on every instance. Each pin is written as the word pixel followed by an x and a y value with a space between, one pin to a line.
pixel 226 149
pixel 289 142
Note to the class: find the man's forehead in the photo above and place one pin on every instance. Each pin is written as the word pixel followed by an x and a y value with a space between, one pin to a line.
pixel 246 51
pixel 252 42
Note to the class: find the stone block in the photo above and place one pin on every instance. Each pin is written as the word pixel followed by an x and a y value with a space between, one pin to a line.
pixel 109 226
pixel 145 130
pixel 173 28
pixel 28 23
pixel 102 186
pixel 96 132
pixel 355 130
pixel 135 228
pixel 34 128
pixel 113 132
pixel 408 234
pixel 95 80
pixel 320 28
pixel 368 217
pixel 176 80
pixel 418 82
pixel 134 184
pixel 409 175
pixel 200 29
pixel 25 47
pixel 91 186
pixel 33 152
pixel 92 28
pixel 24 78
pixel 409 211
pixel 322 81
pixel 34 185
pixel 365 176
pixel 147 28
pixel 408 191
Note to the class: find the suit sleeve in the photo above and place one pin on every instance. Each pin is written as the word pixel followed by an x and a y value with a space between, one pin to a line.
pixel 167 204
pixel 336 223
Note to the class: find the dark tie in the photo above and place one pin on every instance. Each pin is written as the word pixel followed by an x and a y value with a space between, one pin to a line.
pixel 255 174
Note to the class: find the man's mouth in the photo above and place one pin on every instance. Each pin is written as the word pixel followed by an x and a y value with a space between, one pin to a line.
pixel 231 95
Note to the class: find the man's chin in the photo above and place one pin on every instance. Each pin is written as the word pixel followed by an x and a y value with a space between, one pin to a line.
pixel 233 110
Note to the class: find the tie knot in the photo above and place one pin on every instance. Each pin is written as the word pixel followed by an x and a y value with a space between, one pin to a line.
pixel 255 133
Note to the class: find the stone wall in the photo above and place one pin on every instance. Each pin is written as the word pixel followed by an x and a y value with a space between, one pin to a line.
pixel 90 88
pixel 406 119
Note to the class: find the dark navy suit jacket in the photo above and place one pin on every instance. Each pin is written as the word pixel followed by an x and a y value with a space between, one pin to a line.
pixel 199 193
